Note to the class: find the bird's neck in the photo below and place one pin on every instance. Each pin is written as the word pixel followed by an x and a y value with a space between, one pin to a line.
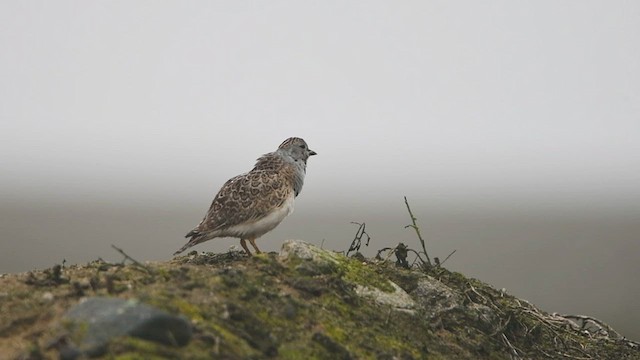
pixel 299 170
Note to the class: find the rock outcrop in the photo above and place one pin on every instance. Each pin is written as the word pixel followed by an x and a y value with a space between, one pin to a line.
pixel 303 303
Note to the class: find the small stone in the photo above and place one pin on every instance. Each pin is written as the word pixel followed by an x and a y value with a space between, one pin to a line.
pixel 47 296
pixel 84 283
pixel 290 311
pixel 225 312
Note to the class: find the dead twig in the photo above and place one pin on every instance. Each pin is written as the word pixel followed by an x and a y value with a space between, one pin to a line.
pixel 447 258
pixel 401 251
pixel 514 351
pixel 386 322
pixel 415 227
pixel 591 325
pixel 357 240
pixel 134 261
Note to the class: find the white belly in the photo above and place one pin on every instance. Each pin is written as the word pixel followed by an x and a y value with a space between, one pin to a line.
pixel 262 226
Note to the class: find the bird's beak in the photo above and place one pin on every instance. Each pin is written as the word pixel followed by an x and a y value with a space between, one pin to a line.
pixel 311 152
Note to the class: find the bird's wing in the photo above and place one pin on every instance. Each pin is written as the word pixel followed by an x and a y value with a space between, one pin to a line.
pixel 247 197
pixel 270 161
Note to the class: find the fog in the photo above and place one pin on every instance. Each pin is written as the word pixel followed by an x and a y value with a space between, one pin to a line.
pixel 512 127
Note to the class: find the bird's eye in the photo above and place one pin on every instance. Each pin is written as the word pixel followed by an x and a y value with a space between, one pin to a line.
pixel 303 146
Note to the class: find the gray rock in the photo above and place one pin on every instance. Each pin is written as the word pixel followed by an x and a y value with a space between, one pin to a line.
pixel 316 261
pixel 313 260
pixel 398 300
pixel 434 297
pixel 441 304
pixel 95 321
pixel 483 317
pixel 298 249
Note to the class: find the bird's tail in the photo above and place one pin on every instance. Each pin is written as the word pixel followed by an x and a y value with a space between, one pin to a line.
pixel 196 238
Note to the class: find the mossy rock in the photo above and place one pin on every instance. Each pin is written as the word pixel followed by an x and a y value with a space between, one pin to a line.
pixel 307 306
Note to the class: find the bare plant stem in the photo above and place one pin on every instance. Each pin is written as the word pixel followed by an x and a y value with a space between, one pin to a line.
pixel 357 240
pixel 134 261
pixel 447 258
pixel 417 229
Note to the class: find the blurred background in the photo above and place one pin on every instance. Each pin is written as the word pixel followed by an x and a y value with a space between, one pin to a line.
pixel 512 127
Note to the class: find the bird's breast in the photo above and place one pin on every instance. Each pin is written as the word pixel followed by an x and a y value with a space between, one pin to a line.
pixel 265 224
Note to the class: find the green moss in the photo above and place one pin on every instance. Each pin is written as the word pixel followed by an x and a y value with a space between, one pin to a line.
pixel 131 348
pixel 34 351
pixel 188 309
pixel 164 273
pixel 357 272
pixel 76 330
pixel 232 343
pixel 337 333
pixel 299 351
pixel 396 344
pixel 265 258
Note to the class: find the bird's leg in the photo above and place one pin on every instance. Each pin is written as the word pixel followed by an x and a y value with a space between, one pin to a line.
pixel 253 243
pixel 243 242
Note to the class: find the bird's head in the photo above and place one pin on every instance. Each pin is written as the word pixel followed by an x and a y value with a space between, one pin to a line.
pixel 296 148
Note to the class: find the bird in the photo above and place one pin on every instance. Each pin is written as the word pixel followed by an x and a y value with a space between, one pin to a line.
pixel 252 204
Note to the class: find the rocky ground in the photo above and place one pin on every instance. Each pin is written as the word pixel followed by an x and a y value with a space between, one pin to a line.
pixel 303 303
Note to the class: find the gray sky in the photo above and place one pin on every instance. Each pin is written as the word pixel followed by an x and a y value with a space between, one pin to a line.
pixel 496 118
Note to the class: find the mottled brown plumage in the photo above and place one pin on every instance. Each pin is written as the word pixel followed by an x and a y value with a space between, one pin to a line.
pixel 252 204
